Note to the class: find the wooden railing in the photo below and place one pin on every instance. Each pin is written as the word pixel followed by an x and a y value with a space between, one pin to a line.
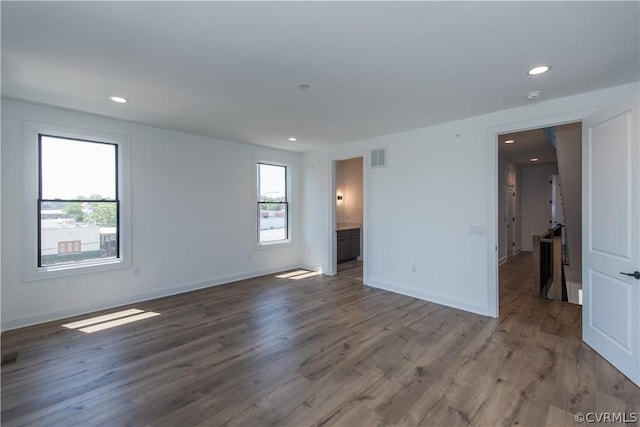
pixel 548 272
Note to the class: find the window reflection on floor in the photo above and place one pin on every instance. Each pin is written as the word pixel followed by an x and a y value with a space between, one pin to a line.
pixel 298 274
pixel 107 321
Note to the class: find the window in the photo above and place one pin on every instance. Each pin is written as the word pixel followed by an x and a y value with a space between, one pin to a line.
pixel 78 180
pixel 273 209
pixel 76 203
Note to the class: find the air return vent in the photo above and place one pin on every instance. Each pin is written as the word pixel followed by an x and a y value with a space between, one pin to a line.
pixel 379 158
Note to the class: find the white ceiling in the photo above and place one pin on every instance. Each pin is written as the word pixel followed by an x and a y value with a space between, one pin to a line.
pixel 530 144
pixel 232 69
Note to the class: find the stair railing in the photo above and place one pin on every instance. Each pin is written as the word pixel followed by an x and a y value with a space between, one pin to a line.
pixel 548 271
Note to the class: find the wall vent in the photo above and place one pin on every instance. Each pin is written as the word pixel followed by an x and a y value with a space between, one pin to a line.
pixel 379 158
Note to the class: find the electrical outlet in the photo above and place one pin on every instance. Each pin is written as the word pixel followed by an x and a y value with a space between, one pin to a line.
pixel 136 270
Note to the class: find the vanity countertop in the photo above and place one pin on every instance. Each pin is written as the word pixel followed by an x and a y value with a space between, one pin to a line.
pixel 347 226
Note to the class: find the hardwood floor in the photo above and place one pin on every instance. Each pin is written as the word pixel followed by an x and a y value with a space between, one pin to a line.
pixel 351 270
pixel 315 351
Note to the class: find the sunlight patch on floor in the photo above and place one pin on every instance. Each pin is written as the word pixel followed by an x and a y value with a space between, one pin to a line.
pixel 298 274
pixel 304 276
pixel 107 321
pixel 291 274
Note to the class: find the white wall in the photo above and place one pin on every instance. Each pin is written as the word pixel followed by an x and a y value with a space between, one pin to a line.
pixel 349 184
pixel 439 182
pixel 569 152
pixel 536 193
pixel 318 196
pixel 193 218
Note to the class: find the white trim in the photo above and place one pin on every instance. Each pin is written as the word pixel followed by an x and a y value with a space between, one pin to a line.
pixel 333 240
pixel 44 317
pixel 30 177
pixel 429 296
pixel 333 222
pixel 491 191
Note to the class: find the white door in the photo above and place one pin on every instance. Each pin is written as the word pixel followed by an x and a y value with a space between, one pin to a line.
pixel 611 235
pixel 510 221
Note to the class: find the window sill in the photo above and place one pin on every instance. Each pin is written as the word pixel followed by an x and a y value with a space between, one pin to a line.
pixel 274 244
pixel 53 272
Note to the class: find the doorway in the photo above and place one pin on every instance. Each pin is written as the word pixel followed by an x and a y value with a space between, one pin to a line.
pixel 526 160
pixel 349 217
pixel 540 187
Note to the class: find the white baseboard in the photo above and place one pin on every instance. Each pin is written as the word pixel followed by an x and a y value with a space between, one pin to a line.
pixel 429 296
pixel 39 318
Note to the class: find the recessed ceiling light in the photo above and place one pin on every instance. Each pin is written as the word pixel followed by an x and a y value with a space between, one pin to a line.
pixel 119 99
pixel 304 86
pixel 292 139
pixel 535 159
pixel 509 141
pixel 539 70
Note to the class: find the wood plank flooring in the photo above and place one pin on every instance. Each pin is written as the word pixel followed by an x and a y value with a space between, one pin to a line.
pixel 315 351
pixel 351 270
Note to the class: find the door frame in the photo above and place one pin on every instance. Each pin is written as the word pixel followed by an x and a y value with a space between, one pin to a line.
pixel 333 240
pixel 492 142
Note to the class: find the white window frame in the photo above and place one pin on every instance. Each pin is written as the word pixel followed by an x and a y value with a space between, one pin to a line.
pixel 31 175
pixel 288 169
